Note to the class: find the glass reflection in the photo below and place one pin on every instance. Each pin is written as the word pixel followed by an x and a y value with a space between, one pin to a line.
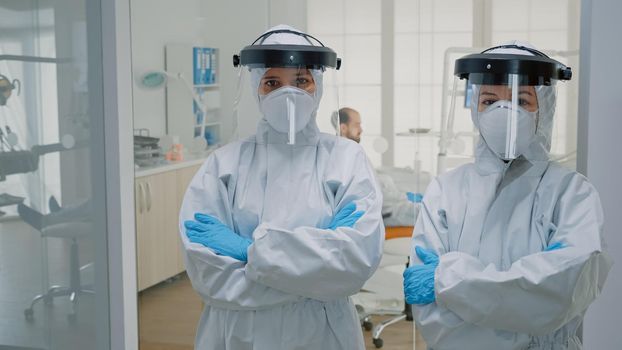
pixel 53 284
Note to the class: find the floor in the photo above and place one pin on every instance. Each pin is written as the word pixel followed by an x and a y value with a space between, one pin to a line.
pixel 28 264
pixel 169 313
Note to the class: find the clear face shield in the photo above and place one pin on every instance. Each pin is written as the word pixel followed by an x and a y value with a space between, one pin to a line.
pixel 512 101
pixel 507 115
pixel 286 88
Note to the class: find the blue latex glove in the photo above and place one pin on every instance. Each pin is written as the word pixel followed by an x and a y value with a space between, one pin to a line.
pixel 210 232
pixel 419 279
pixel 346 217
pixel 555 246
pixel 414 197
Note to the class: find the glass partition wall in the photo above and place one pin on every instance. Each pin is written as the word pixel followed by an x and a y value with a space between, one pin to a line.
pixel 53 236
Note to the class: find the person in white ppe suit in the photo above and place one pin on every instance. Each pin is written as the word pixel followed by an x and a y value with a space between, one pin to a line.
pixel 281 228
pixel 508 251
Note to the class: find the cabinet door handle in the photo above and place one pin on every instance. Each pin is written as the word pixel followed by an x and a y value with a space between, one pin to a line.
pixel 139 197
pixel 148 196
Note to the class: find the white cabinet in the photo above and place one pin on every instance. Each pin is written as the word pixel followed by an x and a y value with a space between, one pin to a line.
pixel 158 200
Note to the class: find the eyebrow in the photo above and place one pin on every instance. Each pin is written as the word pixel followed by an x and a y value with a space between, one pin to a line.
pixel 493 94
pixel 526 92
pixel 277 77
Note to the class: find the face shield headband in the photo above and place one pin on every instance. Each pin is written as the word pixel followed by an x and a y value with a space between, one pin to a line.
pixel 310 56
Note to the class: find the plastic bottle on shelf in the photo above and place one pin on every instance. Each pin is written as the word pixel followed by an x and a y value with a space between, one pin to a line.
pixel 176 152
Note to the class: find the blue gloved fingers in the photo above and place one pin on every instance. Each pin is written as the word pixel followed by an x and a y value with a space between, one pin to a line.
pixel 407 273
pixel 414 197
pixel 206 219
pixel 555 246
pixel 346 210
pixel 196 226
pixel 407 287
pixel 198 237
pixel 357 215
pixel 248 241
pixel 199 234
pixel 244 247
pixel 426 255
pixel 220 239
pixel 346 217
pixel 192 234
pixel 352 219
pixel 419 284
pixel 205 239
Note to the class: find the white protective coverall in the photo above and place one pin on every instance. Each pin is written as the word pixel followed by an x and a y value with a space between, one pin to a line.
pixel 489 222
pixel 294 291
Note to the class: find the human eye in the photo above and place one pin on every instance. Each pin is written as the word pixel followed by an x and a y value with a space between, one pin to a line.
pixel 271 83
pixel 487 101
pixel 302 82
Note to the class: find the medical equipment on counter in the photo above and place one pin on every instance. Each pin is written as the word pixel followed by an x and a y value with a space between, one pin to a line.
pixel 147 151
pixel 6 88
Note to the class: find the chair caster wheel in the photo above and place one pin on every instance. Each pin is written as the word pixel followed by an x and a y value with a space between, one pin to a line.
pixel 378 343
pixel 367 325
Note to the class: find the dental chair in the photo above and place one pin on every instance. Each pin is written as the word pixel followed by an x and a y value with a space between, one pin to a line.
pixel 66 224
pixel 383 293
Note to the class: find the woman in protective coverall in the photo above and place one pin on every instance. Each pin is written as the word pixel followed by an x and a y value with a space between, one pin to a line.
pixel 508 251
pixel 280 228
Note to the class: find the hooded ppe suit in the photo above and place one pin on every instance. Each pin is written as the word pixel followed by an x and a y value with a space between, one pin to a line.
pixel 490 222
pixel 294 291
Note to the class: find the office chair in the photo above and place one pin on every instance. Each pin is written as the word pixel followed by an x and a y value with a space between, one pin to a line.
pixel 71 230
pixel 383 293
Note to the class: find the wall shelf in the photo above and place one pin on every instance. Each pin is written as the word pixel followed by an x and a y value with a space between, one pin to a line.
pixel 207 86
pixel 184 117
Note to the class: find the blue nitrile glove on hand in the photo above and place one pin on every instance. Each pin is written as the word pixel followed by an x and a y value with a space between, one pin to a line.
pixel 419 279
pixel 210 232
pixel 346 217
pixel 414 197
pixel 555 246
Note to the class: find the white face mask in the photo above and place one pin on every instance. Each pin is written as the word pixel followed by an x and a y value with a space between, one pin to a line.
pixel 493 126
pixel 288 109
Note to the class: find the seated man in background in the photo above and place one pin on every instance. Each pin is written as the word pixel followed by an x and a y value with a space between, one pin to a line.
pixel 349 123
pixel 397 208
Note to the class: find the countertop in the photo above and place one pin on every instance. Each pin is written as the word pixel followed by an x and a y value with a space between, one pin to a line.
pixel 189 160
